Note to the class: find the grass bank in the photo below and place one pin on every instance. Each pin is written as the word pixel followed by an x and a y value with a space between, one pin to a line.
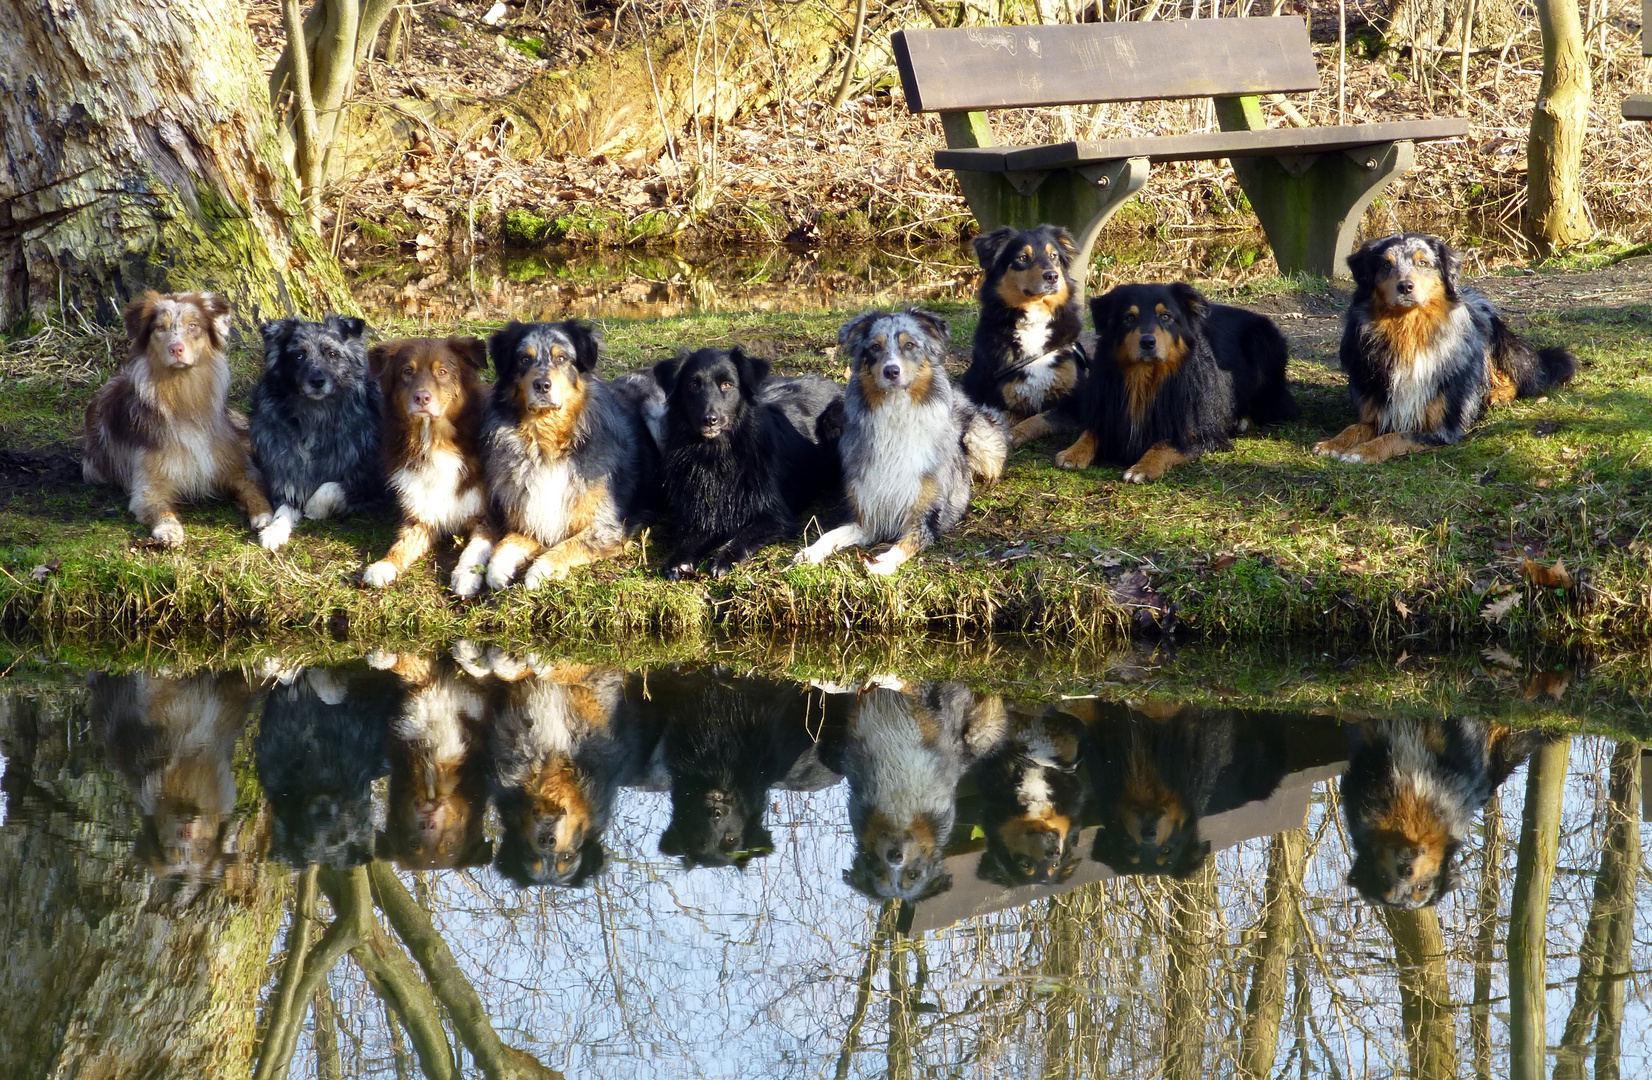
pixel 1265 542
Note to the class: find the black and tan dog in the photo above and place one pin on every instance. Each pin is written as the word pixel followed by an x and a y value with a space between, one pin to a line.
pixel 1175 376
pixel 162 429
pixel 572 469
pixel 1425 354
pixel 1032 798
pixel 912 444
pixel 1026 357
pixel 1411 792
pixel 557 767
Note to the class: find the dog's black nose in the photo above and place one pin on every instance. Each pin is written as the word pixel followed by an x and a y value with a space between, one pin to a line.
pixel 1051 276
pixel 542 386
pixel 891 372
pixel 1404 286
pixel 1149 343
pixel 316 384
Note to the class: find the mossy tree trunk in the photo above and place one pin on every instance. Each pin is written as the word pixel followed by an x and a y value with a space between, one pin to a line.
pixel 1529 909
pixel 139 152
pixel 1556 217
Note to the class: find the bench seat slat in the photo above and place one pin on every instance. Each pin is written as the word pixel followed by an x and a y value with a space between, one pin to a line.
pixel 1637 107
pixel 1203 146
pixel 970 69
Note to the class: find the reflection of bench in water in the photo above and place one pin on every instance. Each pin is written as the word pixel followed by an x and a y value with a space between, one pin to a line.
pixel 1317 750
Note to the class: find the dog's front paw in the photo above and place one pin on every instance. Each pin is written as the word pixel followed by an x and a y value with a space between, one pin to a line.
pixel 379 575
pixel 504 564
pixel 1066 459
pixel 261 521
pixel 1352 457
pixel 169 532
pixel 679 571
pixel 887 563
pixel 327 500
pixel 275 534
pixel 722 565
pixel 466 581
pixel 381 659
pixel 1327 448
pixel 813 555
pixel 543 571
pixel 1136 475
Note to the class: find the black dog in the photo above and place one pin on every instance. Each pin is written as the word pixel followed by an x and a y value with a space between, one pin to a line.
pixel 1175 377
pixel 1425 354
pixel 1411 792
pixel 1026 358
pixel 315 422
pixel 745 454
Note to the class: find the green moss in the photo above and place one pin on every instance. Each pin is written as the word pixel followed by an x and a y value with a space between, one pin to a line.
pixel 528 46
pixel 523 227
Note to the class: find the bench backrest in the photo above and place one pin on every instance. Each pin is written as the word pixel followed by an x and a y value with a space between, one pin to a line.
pixel 1019 67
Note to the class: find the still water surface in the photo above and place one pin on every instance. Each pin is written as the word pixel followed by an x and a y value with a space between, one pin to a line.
pixel 484 863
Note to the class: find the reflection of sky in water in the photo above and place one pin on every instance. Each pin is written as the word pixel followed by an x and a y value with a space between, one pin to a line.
pixel 2 776
pixel 721 973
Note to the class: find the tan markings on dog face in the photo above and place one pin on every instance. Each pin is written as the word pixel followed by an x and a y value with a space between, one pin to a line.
pixel 1023 283
pixel 1080 454
pixel 550 428
pixel 922 380
pixel 1026 838
pixel 557 791
pixel 871 389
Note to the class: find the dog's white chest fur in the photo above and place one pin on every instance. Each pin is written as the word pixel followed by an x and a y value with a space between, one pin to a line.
pixel 548 500
pixel 193 469
pixel 435 716
pixel 1415 387
pixel 901 774
pixel 1032 331
pixel 905 441
pixel 428 491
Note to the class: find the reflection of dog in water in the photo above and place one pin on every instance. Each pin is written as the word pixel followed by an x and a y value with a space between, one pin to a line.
pixel 174 739
pixel 1411 792
pixel 320 747
pixel 907 748
pixel 726 740
pixel 1032 797
pixel 438 772
pixel 1157 770
pixel 557 768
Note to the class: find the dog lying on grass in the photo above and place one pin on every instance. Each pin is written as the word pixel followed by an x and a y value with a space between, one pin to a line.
pixel 315 422
pixel 911 444
pixel 432 431
pixel 1425 354
pixel 162 429
pixel 746 454
pixel 1175 377
pixel 572 471
pixel 1026 357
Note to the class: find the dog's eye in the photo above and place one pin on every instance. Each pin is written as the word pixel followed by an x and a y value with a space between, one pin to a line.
pixel 407 372
pixel 441 372
pixel 725 386
pixel 909 345
pixel 1164 318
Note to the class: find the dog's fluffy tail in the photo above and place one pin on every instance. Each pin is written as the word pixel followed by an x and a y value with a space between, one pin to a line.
pixel 1532 371
pixel 986 440
pixel 1272 403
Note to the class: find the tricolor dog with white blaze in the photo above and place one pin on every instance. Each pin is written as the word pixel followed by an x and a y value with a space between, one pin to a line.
pixel 572 468
pixel 911 444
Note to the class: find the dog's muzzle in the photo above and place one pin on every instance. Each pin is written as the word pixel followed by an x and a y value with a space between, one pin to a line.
pixel 1049 283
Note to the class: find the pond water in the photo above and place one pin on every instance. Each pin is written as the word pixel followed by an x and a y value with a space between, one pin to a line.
pixel 481 862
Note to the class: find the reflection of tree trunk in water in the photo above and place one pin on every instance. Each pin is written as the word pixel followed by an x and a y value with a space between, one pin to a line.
pixel 1425 992
pixel 1529 907
pixel 99 979
pixel 1485 935
pixel 903 1027
pixel 1265 1007
pixel 883 928
pixel 1187 990
pixel 1603 962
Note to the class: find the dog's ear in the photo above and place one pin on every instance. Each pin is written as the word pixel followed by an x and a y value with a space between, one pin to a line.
pixel 139 317
pixel 1363 264
pixel 988 245
pixel 587 344
pixel 671 842
pixel 1191 300
pixel 942 882
pixel 502 346
pixel 851 336
pixel 592 858
pixel 665 372
pixel 935 326
pixel 218 310
pixel 381 356
pixel 1103 310
pixel 470 350
pixel 1451 267
pixel 753 370
pixel 1065 245
pixel 347 327
pixel 275 334
pixel 1191 859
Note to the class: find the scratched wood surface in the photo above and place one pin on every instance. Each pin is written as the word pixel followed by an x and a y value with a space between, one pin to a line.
pixel 1198 147
pixel 1016 67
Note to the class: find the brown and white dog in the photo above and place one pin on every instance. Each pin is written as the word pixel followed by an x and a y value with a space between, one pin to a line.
pixel 162 428
pixel 433 404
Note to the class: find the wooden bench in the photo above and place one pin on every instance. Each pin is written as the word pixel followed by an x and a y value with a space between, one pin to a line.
pixel 1639 106
pixel 1308 186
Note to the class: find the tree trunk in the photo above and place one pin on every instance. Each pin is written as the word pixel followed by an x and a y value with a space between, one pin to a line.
pixel 1425 992
pixel 1529 909
pixel 1270 977
pixel 139 152
pixel 1556 217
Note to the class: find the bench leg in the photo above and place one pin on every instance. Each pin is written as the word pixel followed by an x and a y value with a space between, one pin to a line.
pixel 1082 200
pixel 1311 205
